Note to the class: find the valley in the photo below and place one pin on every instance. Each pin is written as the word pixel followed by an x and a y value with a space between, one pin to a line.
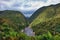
pixel 44 24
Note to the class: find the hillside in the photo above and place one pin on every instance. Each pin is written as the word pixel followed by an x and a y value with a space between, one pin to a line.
pixel 46 19
pixel 15 18
pixel 36 13
pixel 44 24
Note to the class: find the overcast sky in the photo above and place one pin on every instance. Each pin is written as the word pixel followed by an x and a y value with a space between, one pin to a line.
pixel 25 5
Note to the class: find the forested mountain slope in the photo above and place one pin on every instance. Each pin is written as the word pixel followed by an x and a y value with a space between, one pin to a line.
pixel 15 18
pixel 47 19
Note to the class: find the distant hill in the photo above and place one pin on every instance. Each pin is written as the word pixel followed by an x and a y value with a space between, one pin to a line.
pixel 46 19
pixel 15 18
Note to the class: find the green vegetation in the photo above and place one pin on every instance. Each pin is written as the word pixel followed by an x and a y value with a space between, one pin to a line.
pixel 11 23
pixel 14 18
pixel 22 36
pixel 45 22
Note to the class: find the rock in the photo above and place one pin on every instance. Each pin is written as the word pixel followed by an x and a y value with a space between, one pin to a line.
pixel 29 32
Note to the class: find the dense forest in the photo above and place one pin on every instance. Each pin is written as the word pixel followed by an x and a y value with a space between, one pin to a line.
pixel 45 22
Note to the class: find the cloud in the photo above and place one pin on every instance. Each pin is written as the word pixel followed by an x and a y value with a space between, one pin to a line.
pixel 35 4
pixel 25 4
pixel 27 7
pixel 5 0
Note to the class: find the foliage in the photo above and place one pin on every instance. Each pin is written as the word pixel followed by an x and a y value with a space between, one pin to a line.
pixel 22 36
pixel 46 24
pixel 46 20
pixel 15 18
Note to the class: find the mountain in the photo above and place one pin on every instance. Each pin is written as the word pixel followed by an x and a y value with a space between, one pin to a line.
pixel 46 19
pixel 13 18
pixel 36 13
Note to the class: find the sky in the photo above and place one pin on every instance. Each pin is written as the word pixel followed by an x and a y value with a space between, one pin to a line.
pixel 25 6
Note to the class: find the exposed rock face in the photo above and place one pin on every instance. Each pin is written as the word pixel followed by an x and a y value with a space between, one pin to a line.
pixel 29 31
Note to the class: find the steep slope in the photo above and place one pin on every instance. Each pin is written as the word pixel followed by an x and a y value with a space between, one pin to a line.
pixel 43 19
pixel 15 18
pixel 35 14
